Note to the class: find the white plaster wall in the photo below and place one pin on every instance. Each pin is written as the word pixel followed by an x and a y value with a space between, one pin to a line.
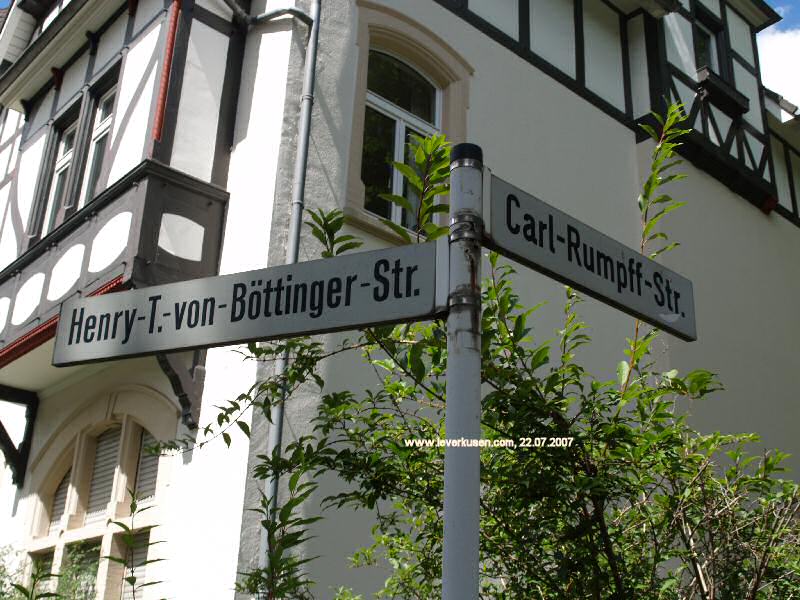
pixel 739 33
pixel 553 32
pixel 134 101
pixel 8 242
pixel 640 82
pixel 603 50
pixel 10 125
pixel 740 262
pixel 41 113
pixel 203 518
pixel 111 41
pixel 73 81
pixel 503 14
pixel 795 160
pixel 254 157
pixel 29 164
pixel 680 46
pixel 217 7
pixel 713 6
pixel 146 11
pixel 748 85
pixel 781 174
pixel 198 113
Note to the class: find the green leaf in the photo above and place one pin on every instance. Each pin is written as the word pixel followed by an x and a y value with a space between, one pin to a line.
pixel 244 427
pixel 401 231
pixel 623 368
pixel 401 201
pixel 348 246
pixel 412 178
pixel 227 439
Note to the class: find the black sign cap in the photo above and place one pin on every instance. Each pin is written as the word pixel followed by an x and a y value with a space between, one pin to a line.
pixel 460 151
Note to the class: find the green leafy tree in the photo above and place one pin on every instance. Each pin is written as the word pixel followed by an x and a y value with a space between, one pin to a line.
pixel 631 502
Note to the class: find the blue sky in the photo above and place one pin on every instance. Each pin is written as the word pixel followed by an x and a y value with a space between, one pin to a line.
pixel 789 10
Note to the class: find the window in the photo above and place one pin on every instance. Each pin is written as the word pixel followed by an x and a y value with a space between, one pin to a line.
pixel 98 144
pixel 400 103
pixel 137 559
pixel 409 82
pixel 707 53
pixel 71 186
pixel 92 490
pixel 709 43
pixel 58 183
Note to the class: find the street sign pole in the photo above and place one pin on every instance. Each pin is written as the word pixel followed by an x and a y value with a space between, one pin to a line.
pixel 463 412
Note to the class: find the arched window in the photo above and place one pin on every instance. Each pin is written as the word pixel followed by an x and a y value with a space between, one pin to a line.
pixel 409 82
pixel 401 102
pixel 74 533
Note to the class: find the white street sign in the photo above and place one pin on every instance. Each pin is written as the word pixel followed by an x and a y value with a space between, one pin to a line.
pixel 550 241
pixel 345 292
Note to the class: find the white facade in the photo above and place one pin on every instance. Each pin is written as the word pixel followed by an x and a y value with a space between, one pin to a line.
pixel 195 179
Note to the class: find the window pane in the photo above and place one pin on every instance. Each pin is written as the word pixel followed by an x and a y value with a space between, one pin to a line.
pixel 706 52
pixel 59 191
pixel 43 563
pixel 147 469
pixel 78 574
pixel 105 464
pixel 59 503
pixel 401 85
pixel 136 557
pixel 68 142
pixel 106 106
pixel 376 168
pixel 409 220
pixel 98 150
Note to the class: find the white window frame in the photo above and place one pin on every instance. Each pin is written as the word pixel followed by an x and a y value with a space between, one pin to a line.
pixel 100 129
pixel 404 120
pixel 64 160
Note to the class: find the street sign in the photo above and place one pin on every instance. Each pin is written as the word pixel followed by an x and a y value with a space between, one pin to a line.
pixel 345 292
pixel 542 237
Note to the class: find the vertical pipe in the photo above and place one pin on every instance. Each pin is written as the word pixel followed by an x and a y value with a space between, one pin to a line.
pixel 463 411
pixel 275 436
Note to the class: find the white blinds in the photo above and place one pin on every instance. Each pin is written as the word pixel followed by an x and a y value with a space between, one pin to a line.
pixel 105 463
pixel 147 469
pixel 137 560
pixel 59 503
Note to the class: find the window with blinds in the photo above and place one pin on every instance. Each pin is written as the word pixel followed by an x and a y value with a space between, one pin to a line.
pixel 77 579
pixel 105 464
pixel 43 563
pixel 135 565
pixel 59 503
pixel 146 469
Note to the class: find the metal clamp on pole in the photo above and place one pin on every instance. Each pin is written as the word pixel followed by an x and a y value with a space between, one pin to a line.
pixel 463 411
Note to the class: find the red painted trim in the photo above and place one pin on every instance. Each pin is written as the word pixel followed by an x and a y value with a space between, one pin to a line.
pixel 769 204
pixel 39 335
pixel 158 122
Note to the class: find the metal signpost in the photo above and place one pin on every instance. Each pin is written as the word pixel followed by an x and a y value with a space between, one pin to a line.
pixel 462 476
pixel 406 283
pixel 355 290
